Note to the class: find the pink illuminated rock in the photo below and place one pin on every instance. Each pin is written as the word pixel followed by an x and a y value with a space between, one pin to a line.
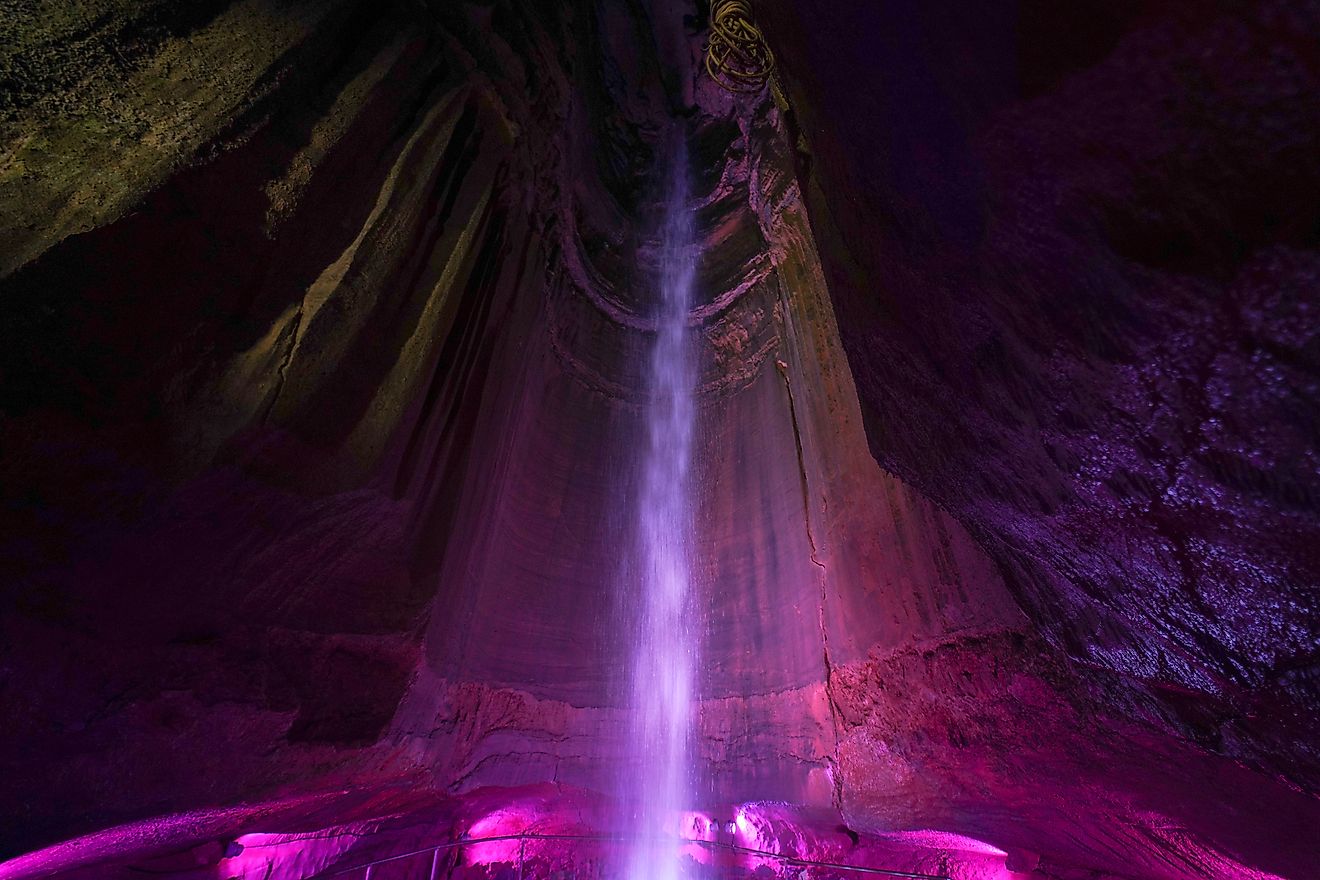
pixel 322 378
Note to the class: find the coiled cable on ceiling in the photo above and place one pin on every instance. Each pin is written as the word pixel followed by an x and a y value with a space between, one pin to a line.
pixel 737 57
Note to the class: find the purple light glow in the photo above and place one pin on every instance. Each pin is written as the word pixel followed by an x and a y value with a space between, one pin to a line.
pixel 659 785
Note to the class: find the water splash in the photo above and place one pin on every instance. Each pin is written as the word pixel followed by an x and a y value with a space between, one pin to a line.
pixel 664 646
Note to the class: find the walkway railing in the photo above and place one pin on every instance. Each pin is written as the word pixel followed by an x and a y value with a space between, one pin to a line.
pixel 435 851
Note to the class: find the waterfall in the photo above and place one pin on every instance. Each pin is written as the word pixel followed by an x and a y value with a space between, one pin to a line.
pixel 664 649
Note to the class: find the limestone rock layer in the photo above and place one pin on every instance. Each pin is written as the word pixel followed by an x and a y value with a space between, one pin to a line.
pixel 321 379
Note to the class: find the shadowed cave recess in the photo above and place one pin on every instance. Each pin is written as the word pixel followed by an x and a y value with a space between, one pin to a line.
pixel 329 333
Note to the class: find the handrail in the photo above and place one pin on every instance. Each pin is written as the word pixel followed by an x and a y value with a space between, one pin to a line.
pixel 710 844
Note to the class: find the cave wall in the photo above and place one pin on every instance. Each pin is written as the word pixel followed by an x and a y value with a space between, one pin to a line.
pixel 1073 256
pixel 321 385
pixel 320 378
pixel 808 554
pixel 234 399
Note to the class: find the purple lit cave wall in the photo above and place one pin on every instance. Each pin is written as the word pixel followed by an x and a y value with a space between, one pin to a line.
pixel 331 338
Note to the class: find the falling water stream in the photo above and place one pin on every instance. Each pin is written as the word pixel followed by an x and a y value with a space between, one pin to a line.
pixel 664 644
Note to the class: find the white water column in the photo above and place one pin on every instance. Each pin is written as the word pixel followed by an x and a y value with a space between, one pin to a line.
pixel 665 640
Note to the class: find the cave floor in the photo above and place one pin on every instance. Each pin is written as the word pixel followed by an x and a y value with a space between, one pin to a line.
pixel 541 831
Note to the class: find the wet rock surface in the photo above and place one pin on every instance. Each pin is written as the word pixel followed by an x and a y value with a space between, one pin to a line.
pixel 320 371
pixel 317 447
pixel 1073 256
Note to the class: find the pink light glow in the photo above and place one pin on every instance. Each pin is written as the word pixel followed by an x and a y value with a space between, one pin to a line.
pixel 817 836
pixel 696 826
pixel 193 845
pixel 493 852
pixel 932 839
pixel 743 824
pixel 284 855
pixel 500 823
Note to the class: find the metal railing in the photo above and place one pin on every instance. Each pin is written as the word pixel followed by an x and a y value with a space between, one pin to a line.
pixel 522 839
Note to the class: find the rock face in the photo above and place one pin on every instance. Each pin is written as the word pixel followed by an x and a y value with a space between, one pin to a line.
pixel 321 438
pixel 321 380
pixel 1073 256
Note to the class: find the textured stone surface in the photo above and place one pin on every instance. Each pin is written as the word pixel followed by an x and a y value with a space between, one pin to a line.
pixel 321 454
pixel 320 376
pixel 1073 256
pixel 213 570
